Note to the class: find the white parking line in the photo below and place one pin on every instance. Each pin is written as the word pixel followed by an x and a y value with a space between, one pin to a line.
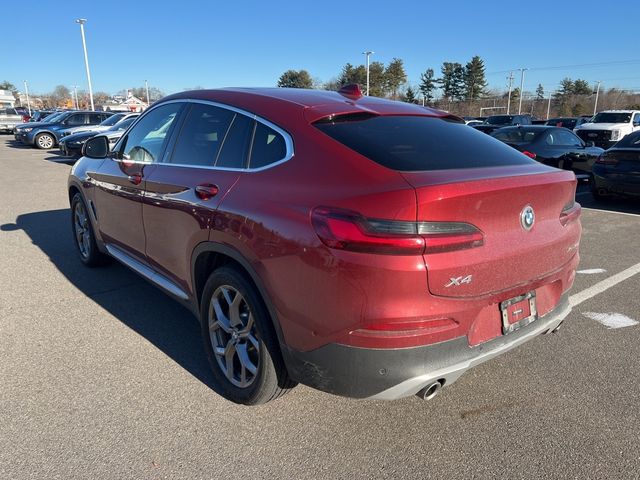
pixel 591 271
pixel 605 284
pixel 611 320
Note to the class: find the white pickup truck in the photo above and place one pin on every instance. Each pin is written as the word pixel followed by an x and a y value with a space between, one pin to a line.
pixel 9 118
pixel 607 127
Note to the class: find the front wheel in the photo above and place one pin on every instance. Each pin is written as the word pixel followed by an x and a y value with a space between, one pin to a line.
pixel 240 342
pixel 83 234
pixel 45 141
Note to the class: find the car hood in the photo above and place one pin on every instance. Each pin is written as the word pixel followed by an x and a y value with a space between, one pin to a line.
pixel 601 126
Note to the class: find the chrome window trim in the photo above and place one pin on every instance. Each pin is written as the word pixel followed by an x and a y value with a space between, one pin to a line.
pixel 287 138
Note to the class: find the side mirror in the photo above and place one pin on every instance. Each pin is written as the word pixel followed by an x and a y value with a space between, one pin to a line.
pixel 96 147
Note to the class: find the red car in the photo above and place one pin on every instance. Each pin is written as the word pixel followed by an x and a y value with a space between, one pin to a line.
pixel 364 247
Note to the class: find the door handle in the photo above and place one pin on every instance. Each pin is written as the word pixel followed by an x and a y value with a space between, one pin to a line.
pixel 206 191
pixel 136 178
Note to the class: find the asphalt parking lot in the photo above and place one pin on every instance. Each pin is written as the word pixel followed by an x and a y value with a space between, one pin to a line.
pixel 103 376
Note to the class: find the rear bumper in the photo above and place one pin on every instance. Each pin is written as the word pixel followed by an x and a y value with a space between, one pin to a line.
pixel 618 185
pixel 389 374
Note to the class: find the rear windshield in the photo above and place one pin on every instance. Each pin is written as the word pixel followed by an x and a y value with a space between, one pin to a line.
pixel 414 143
pixel 517 135
pixel 630 141
pixel 500 120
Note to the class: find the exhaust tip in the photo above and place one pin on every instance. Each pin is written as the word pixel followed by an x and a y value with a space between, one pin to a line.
pixel 430 391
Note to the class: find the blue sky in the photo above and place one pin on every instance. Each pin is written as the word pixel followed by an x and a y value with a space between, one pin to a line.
pixel 177 45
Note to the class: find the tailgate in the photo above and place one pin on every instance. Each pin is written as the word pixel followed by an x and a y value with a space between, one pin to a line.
pixel 510 255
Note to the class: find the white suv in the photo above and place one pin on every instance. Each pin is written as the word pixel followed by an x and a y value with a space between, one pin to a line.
pixel 607 127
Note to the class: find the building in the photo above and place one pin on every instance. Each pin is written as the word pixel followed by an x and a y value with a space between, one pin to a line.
pixel 7 99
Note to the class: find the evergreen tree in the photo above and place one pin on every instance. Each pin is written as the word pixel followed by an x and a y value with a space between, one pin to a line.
pixel 474 78
pixel 377 83
pixel 395 76
pixel 581 87
pixel 295 79
pixel 540 92
pixel 410 96
pixel 452 80
pixel 427 85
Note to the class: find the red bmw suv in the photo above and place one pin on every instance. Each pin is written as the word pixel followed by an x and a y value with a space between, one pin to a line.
pixel 364 247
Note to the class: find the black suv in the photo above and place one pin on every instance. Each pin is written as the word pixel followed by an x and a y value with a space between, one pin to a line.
pixel 498 121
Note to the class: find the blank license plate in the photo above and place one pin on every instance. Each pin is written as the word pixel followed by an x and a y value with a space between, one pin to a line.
pixel 518 312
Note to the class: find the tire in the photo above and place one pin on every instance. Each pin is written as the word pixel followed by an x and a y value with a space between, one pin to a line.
pixel 83 235
pixel 242 348
pixel 44 141
pixel 594 191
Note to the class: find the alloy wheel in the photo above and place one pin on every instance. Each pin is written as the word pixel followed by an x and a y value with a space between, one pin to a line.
pixel 82 230
pixel 45 141
pixel 233 336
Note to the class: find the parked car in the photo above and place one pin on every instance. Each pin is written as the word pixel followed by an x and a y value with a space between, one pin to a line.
pixel 607 127
pixel 553 146
pixel 9 118
pixel 39 115
pixel 567 122
pixel 71 145
pixel 17 130
pixel 498 121
pixel 45 135
pixel 101 127
pixel 617 170
pixel 365 247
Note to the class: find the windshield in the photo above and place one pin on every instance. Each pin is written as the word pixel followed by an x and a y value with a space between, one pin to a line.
pixel 518 135
pixel 53 117
pixel 9 111
pixel 112 120
pixel 499 120
pixel 123 124
pixel 612 117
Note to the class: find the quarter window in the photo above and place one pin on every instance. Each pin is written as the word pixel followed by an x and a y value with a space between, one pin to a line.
pixel 146 140
pixel 268 147
pixel 201 135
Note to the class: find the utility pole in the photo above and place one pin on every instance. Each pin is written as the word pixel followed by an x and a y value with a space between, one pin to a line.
pixel 26 91
pixel 548 105
pixel 82 21
pixel 146 86
pixel 74 96
pixel 522 70
pixel 368 53
pixel 510 78
pixel 595 105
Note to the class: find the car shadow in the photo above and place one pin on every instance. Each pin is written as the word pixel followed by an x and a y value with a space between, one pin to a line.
pixel 130 299
pixel 611 204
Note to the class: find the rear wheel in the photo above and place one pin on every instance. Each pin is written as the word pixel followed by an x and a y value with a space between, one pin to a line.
pixel 596 192
pixel 239 340
pixel 45 141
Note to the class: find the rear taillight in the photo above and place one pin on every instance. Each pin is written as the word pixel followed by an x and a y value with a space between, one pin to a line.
pixel 347 230
pixel 26 118
pixel 530 154
pixel 570 213
pixel 604 159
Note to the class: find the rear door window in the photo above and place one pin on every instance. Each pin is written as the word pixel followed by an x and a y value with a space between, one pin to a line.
pixel 416 143
pixel 235 150
pixel 76 119
pixel 201 135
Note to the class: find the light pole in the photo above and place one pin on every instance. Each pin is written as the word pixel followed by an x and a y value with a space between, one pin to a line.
pixel 595 105
pixel 82 21
pixel 146 86
pixel 75 97
pixel 510 78
pixel 26 91
pixel 548 106
pixel 368 53
pixel 522 70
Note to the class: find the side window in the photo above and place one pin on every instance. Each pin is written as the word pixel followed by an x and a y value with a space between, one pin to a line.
pixel 636 120
pixel 201 135
pixel 235 150
pixel 566 138
pixel 145 141
pixel 75 120
pixel 268 147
